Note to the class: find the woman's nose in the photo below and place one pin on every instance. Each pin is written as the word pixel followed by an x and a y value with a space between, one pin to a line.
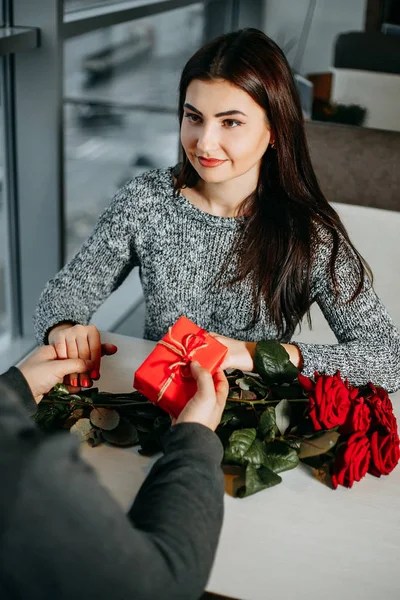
pixel 207 140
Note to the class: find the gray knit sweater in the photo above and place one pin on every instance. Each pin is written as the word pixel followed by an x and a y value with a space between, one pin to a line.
pixel 180 251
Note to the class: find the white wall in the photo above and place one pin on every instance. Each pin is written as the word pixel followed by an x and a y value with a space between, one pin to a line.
pixel 284 20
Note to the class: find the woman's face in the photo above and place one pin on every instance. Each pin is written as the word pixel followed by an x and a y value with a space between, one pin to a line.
pixel 224 132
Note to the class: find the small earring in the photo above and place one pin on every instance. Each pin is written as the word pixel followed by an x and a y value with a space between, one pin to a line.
pixel 273 145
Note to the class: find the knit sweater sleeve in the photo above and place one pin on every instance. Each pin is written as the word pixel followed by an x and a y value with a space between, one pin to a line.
pixel 99 268
pixel 368 346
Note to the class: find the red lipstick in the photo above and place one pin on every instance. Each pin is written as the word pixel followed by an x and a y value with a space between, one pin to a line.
pixel 210 162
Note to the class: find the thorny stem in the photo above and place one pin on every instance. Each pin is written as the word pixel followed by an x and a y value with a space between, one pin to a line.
pixel 94 405
pixel 303 440
pixel 242 401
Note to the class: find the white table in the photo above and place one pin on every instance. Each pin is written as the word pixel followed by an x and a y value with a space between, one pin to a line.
pixel 298 540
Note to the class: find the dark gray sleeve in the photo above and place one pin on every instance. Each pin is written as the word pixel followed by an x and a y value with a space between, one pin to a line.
pixel 185 523
pixel 67 538
pixel 99 268
pixel 368 346
pixel 14 379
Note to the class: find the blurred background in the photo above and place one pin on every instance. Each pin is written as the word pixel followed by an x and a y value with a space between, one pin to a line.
pixel 89 100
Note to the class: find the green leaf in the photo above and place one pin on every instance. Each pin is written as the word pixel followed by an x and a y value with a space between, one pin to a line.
pixel 95 438
pixel 74 398
pixel 292 443
pixel 230 405
pixel 272 362
pixel 319 444
pixel 82 429
pixel 257 480
pixel 224 432
pixel 321 466
pixel 321 461
pixel 267 427
pixel 249 395
pixel 256 383
pixel 50 415
pixel 242 383
pixel 104 418
pixel 293 391
pixel 150 443
pixel 124 435
pixel 280 457
pixel 248 382
pixel 161 425
pixel 244 447
pixel 282 415
pixel 229 416
pixel 60 389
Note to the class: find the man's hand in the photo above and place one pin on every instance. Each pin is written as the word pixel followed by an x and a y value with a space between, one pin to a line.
pixel 207 405
pixel 43 370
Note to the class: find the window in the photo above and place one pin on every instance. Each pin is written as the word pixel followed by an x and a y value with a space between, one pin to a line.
pixel 114 67
pixel 120 108
pixel 5 328
pixel 74 5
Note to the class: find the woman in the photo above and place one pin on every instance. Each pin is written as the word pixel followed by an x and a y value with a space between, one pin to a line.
pixel 239 237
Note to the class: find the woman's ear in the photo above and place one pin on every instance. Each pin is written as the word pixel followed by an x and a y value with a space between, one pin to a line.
pixel 272 139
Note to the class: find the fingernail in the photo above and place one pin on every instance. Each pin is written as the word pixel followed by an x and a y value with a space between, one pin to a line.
pixel 85 382
pixel 74 382
pixel 94 374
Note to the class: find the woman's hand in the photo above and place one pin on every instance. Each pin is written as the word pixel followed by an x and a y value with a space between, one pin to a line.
pixel 240 354
pixel 42 370
pixel 80 341
pixel 207 405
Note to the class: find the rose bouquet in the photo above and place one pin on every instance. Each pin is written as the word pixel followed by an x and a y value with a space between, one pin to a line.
pixel 274 419
pixel 363 417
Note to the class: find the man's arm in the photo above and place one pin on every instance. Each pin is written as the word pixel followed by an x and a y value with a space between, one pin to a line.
pixel 65 537
pixel 14 379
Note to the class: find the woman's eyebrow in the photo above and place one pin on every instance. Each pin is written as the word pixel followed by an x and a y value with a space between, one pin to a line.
pixel 226 113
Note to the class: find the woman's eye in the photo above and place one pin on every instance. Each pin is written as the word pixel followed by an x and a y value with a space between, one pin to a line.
pixel 232 123
pixel 192 118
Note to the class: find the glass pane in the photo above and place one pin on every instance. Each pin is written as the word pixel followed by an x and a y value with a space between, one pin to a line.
pixel 5 329
pixel 74 5
pixel 120 108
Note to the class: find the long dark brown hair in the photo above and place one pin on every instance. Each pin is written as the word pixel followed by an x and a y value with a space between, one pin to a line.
pixel 287 209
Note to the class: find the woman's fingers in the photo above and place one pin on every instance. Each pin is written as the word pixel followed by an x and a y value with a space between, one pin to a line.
pixel 93 337
pixel 81 341
pixel 108 349
pixel 83 353
pixel 60 347
pixel 72 352
pixel 58 342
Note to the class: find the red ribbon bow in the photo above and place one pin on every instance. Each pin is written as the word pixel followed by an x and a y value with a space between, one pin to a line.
pixel 185 350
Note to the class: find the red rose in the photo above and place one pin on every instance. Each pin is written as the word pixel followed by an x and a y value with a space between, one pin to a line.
pixel 352 461
pixel 385 451
pixel 358 417
pixel 330 400
pixel 381 410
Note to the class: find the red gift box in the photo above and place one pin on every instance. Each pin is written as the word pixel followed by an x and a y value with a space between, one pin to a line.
pixel 164 377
